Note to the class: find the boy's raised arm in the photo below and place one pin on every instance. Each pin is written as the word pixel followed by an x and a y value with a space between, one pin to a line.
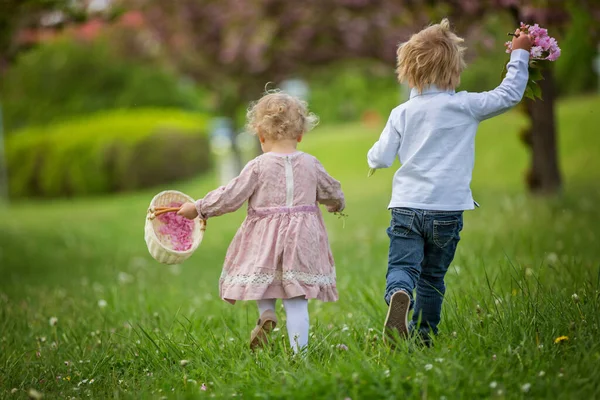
pixel 384 151
pixel 510 92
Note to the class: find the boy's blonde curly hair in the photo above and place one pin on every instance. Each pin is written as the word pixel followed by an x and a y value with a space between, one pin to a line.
pixel 433 56
pixel 278 115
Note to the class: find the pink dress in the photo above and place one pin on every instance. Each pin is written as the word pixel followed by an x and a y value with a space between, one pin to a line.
pixel 281 250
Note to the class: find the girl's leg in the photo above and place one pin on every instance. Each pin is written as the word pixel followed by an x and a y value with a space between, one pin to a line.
pixel 296 310
pixel 265 324
pixel 264 305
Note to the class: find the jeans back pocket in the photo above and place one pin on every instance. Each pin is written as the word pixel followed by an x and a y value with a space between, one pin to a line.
pixel 402 221
pixel 444 231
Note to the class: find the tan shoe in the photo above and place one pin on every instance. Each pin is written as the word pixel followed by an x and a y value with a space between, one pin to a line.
pixel 396 322
pixel 260 334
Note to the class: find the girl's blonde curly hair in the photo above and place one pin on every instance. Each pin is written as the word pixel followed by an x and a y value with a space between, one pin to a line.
pixel 278 115
pixel 433 56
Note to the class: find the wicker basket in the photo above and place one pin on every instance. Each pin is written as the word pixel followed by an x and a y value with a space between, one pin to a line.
pixel 159 245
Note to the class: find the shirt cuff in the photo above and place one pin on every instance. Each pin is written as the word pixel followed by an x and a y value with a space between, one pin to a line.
pixel 199 208
pixel 519 54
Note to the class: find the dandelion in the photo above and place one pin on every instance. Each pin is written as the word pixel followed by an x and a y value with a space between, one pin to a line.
pixel 428 367
pixel 125 278
pixel 203 387
pixel 552 258
pixel 53 321
pixel 183 363
pixel 575 298
pixel 342 346
pixel 34 394
pixel 493 385
pixel 102 303
pixel 561 339
pixel 525 388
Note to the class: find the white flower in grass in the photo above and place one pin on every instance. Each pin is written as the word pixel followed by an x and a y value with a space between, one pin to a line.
pixel 345 328
pixel 53 321
pixel 493 385
pixel 386 373
pixel 575 298
pixel 342 346
pixel 14 390
pixel 183 363
pixel 542 373
pixel 428 367
pixel 525 388
pixel 125 278
pixel 552 258
pixel 439 360
pixel 34 394
pixel 203 387
pixel 102 303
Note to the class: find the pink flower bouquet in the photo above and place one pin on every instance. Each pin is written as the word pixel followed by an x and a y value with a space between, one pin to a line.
pixel 544 48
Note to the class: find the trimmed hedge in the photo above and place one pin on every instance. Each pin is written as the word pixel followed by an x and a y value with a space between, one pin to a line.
pixel 107 152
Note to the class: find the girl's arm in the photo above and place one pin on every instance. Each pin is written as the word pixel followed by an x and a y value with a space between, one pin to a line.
pixel 230 198
pixel 329 190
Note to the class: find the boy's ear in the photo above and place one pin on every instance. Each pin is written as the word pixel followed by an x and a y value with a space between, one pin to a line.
pixel 261 139
pixel 300 138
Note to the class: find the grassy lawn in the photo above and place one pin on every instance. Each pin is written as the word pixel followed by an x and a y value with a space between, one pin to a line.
pixel 125 322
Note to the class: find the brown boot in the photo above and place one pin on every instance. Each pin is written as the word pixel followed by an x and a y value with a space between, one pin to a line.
pixel 260 334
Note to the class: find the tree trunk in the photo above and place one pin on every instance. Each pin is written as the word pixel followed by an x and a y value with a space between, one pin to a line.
pixel 544 175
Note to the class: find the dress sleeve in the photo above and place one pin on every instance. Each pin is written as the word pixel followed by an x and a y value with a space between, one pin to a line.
pixel 231 197
pixel 329 190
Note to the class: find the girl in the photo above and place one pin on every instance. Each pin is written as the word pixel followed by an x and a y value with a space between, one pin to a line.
pixel 281 251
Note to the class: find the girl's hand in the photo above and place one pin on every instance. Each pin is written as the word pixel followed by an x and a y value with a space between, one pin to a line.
pixel 188 210
pixel 521 41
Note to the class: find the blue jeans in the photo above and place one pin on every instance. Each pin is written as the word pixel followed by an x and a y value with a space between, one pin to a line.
pixel 422 246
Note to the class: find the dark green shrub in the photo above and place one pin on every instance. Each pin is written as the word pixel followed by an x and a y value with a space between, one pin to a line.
pixel 67 77
pixel 107 152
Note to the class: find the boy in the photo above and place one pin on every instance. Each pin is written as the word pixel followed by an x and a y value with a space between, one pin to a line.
pixel 433 135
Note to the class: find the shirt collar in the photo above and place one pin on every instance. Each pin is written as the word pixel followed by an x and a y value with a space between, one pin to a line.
pixel 431 89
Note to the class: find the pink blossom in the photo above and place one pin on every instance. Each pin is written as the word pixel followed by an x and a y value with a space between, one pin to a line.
pixel 536 51
pixel 203 387
pixel 544 47
pixel 177 228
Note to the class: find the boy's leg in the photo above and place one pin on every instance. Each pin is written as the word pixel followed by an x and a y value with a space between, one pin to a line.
pixel 442 237
pixel 296 311
pixel 404 267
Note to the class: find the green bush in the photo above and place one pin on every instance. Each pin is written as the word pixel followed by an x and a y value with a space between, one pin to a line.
pixel 67 77
pixel 107 152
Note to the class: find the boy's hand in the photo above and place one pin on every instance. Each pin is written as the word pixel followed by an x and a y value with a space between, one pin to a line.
pixel 188 210
pixel 521 41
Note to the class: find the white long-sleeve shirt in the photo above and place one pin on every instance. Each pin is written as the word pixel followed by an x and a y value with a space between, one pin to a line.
pixel 433 135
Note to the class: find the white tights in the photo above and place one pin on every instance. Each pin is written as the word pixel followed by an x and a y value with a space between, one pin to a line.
pixel 296 311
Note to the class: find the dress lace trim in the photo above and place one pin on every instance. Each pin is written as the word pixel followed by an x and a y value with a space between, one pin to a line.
pixel 279 277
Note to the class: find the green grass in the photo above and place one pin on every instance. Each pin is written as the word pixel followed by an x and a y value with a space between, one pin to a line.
pixel 509 292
